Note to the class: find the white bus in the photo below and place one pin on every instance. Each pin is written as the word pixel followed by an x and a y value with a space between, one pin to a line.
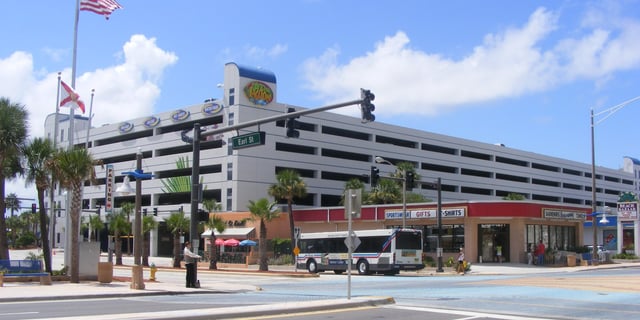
pixel 383 251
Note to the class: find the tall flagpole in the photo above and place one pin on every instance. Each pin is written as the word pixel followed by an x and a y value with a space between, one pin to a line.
pixel 86 146
pixel 69 232
pixel 52 207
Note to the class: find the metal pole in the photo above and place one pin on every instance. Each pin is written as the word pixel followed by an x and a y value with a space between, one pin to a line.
pixel 439 215
pixel 195 190
pixel 404 199
pixel 593 193
pixel 137 227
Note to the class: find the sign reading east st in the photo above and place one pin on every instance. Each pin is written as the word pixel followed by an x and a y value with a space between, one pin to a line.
pixel 248 140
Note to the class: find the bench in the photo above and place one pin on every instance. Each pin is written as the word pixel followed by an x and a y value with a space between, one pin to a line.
pixel 29 269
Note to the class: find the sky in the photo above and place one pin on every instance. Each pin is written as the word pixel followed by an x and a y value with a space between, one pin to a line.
pixel 521 73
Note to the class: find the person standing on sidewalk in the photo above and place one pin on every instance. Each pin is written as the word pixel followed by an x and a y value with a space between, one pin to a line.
pixel 190 263
pixel 460 266
pixel 540 252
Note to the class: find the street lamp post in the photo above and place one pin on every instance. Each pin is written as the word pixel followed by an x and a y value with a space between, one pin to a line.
pixel 404 189
pixel 608 112
pixel 137 281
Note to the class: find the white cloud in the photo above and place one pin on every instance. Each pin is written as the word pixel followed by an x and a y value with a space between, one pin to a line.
pixel 510 63
pixel 125 90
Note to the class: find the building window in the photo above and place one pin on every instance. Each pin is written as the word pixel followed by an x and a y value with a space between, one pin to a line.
pixel 451 241
pixel 553 237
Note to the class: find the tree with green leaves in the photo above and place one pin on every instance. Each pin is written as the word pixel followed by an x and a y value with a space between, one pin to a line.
pixel 72 168
pixel 148 224
pixel 37 155
pixel 128 208
pixel 13 134
pixel 288 187
pixel 118 226
pixel 95 225
pixel 12 203
pixel 211 205
pixel 514 196
pixel 264 211
pixel 215 223
pixel 177 223
pixel 387 191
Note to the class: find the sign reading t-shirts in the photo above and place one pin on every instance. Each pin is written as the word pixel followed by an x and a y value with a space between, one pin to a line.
pixel 425 213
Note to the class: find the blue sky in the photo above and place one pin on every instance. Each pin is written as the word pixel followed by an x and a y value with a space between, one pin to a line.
pixel 522 73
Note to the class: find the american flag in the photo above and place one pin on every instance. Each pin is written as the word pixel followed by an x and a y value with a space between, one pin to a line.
pixel 101 7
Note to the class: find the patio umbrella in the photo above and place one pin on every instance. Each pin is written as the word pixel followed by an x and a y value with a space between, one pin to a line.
pixel 231 242
pixel 247 243
pixel 219 242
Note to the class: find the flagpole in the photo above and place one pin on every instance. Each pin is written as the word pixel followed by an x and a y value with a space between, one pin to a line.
pixel 86 146
pixel 69 232
pixel 52 220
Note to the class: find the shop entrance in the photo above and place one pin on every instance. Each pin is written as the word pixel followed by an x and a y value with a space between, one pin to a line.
pixel 493 242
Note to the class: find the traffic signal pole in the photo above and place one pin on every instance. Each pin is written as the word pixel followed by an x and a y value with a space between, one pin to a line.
pixel 198 135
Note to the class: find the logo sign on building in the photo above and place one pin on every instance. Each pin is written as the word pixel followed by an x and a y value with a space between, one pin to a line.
pixel 125 127
pixel 110 181
pixel 180 115
pixel 151 122
pixel 210 108
pixel 258 92
pixel 425 213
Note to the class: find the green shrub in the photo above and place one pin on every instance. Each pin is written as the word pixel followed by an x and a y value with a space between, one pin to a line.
pixel 450 262
pixel 624 256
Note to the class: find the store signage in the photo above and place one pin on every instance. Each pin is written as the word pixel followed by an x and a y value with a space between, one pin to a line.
pixel 108 202
pixel 258 92
pixel 627 211
pixel 425 213
pixel 560 214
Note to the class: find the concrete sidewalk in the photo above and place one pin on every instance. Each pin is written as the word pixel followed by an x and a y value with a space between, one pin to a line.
pixel 171 282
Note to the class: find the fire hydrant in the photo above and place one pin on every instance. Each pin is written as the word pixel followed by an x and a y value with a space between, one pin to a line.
pixel 153 272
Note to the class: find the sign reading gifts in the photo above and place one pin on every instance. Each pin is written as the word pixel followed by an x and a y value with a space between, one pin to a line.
pixel 425 213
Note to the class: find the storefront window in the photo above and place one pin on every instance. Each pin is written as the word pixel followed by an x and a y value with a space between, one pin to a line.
pixel 554 237
pixel 452 238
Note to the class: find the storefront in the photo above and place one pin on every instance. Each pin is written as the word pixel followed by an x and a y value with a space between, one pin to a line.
pixel 489 231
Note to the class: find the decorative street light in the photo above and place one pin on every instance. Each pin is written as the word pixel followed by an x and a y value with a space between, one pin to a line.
pixel 137 281
pixel 404 189
pixel 608 112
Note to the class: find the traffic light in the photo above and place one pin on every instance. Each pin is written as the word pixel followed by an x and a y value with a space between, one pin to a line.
pixel 375 176
pixel 203 216
pixel 291 125
pixel 155 212
pixel 366 106
pixel 410 178
pixel 33 208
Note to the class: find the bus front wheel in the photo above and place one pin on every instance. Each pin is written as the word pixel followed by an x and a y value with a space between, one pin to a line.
pixel 312 266
pixel 363 267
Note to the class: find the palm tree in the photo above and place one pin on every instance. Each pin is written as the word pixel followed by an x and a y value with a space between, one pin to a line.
pixel 13 134
pixel 118 225
pixel 264 211
pixel 387 191
pixel 215 223
pixel 211 205
pixel 289 186
pixel 354 183
pixel 128 208
pixel 37 155
pixel 12 202
pixel 95 225
pixel 72 168
pixel 148 224
pixel 177 223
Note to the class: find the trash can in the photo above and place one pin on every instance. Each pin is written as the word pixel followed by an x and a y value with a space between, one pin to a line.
pixel 571 261
pixel 105 272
